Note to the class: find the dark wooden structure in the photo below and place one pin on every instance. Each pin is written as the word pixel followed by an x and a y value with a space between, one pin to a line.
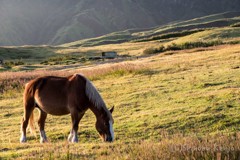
pixel 109 55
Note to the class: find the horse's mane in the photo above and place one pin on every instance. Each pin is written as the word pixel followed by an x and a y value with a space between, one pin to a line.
pixel 94 96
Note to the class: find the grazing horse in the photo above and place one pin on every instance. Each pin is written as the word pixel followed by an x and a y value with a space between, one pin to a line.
pixel 63 95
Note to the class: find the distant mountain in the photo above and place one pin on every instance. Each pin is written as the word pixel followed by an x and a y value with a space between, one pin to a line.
pixel 34 22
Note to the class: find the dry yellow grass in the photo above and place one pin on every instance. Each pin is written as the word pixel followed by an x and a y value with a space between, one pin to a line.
pixel 91 72
pixel 176 105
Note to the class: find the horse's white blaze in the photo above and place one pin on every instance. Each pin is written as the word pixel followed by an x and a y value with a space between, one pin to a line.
pixel 111 129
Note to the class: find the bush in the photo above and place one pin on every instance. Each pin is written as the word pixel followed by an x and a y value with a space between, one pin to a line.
pixel 186 45
pixel 173 47
pixel 18 63
pixel 10 64
pixel 236 24
pixel 63 60
pixel 191 45
pixel 154 50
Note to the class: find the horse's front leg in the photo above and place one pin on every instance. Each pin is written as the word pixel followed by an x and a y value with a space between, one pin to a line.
pixel 76 117
pixel 41 124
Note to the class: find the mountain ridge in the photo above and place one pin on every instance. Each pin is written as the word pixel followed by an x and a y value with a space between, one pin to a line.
pixel 26 22
pixel 139 35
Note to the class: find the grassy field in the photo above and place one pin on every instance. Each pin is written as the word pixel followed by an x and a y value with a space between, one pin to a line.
pixel 175 105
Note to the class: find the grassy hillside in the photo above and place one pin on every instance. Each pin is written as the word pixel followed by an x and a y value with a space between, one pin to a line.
pixel 201 32
pixel 27 52
pixel 227 34
pixel 180 104
pixel 188 27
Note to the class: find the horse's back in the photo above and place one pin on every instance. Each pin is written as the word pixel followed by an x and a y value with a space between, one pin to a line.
pixel 50 94
pixel 57 95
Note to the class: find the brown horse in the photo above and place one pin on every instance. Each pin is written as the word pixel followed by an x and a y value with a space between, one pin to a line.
pixel 63 95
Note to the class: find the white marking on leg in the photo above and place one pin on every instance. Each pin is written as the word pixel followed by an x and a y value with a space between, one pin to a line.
pixel 75 138
pixel 23 138
pixel 43 137
pixel 70 137
pixel 111 129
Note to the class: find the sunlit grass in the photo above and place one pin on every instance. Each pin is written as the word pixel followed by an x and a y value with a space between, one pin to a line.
pixel 186 98
pixel 226 34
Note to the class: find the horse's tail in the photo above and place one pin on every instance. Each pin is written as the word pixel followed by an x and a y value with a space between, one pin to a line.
pixel 31 125
pixel 30 104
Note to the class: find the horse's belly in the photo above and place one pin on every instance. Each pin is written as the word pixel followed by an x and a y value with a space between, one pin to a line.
pixel 55 110
pixel 58 107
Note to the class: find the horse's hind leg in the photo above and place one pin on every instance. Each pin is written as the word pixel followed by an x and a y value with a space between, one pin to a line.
pixel 41 124
pixel 28 111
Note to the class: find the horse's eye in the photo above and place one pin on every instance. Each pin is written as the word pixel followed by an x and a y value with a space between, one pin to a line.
pixel 105 124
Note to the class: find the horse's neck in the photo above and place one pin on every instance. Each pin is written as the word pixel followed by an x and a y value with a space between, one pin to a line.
pixel 97 112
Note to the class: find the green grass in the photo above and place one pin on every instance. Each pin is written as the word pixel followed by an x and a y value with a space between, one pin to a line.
pixel 209 18
pixel 112 38
pixel 227 34
pixel 186 99
pixel 31 53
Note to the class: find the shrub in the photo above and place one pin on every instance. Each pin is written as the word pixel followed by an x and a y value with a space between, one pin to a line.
pixel 236 24
pixel 18 63
pixel 10 64
pixel 63 60
pixel 186 45
pixel 234 42
pixel 173 47
pixel 154 50
pixel 190 45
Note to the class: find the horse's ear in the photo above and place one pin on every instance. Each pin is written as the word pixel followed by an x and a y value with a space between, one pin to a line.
pixel 111 110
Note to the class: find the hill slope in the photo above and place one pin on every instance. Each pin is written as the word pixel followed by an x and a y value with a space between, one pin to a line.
pixel 190 26
pixel 58 21
pixel 173 100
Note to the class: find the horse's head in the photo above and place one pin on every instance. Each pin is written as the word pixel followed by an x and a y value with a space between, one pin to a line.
pixel 104 126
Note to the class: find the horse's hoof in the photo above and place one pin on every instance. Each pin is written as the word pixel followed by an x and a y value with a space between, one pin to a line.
pixel 43 140
pixel 23 140
pixel 74 141
pixel 70 137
